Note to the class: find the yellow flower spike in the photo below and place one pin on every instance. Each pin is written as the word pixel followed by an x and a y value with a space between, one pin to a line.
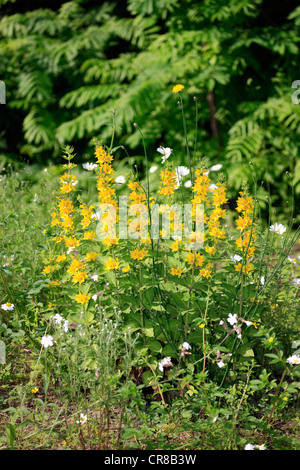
pixel 48 269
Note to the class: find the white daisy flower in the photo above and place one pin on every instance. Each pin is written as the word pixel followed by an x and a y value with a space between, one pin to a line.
pixel 7 306
pixel 165 151
pixel 220 364
pixel 278 228
pixel 213 187
pixel 94 277
pixel 296 282
pixel 188 184
pixel 89 166
pixel 9 259
pixel 153 169
pixel 120 179
pixel 216 167
pixel 180 172
pixel 47 341
pixel 186 346
pixel 293 359
pixel 83 419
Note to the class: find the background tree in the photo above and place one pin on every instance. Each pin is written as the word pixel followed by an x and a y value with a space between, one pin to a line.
pixel 68 66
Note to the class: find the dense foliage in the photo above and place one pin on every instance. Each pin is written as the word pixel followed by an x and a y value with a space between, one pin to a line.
pixel 184 333
pixel 67 67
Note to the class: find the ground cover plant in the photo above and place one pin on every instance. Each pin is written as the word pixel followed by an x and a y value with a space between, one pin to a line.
pixel 147 311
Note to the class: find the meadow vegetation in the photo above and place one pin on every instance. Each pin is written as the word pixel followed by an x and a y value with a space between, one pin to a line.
pixel 188 340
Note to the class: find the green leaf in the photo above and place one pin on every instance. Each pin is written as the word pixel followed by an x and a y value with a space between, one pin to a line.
pixel 10 434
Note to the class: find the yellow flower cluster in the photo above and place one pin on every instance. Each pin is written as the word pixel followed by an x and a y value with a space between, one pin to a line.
pixel 244 223
pixel 63 221
pixel 68 183
pixel 168 182
pixel 213 197
pixel 81 254
pixel 106 195
pixel 87 213
pixel 139 254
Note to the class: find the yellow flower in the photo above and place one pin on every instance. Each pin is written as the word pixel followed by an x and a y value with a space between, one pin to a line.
pixel 82 298
pixel 243 222
pixel 58 239
pixel 202 325
pixel 195 259
pixel 139 254
pixel 271 339
pixel 69 165
pixel 71 241
pixel 60 258
pixel 34 390
pixel 177 88
pixel 176 272
pixel 112 264
pixel 205 272
pixel 175 246
pixel 126 269
pixel 247 268
pixel 89 236
pixel 110 241
pixel 54 284
pixel 102 156
pixel 219 196
pixel 244 203
pixel 75 266
pixel 48 269
pixel 169 182
pixel 80 277
pixel 91 256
